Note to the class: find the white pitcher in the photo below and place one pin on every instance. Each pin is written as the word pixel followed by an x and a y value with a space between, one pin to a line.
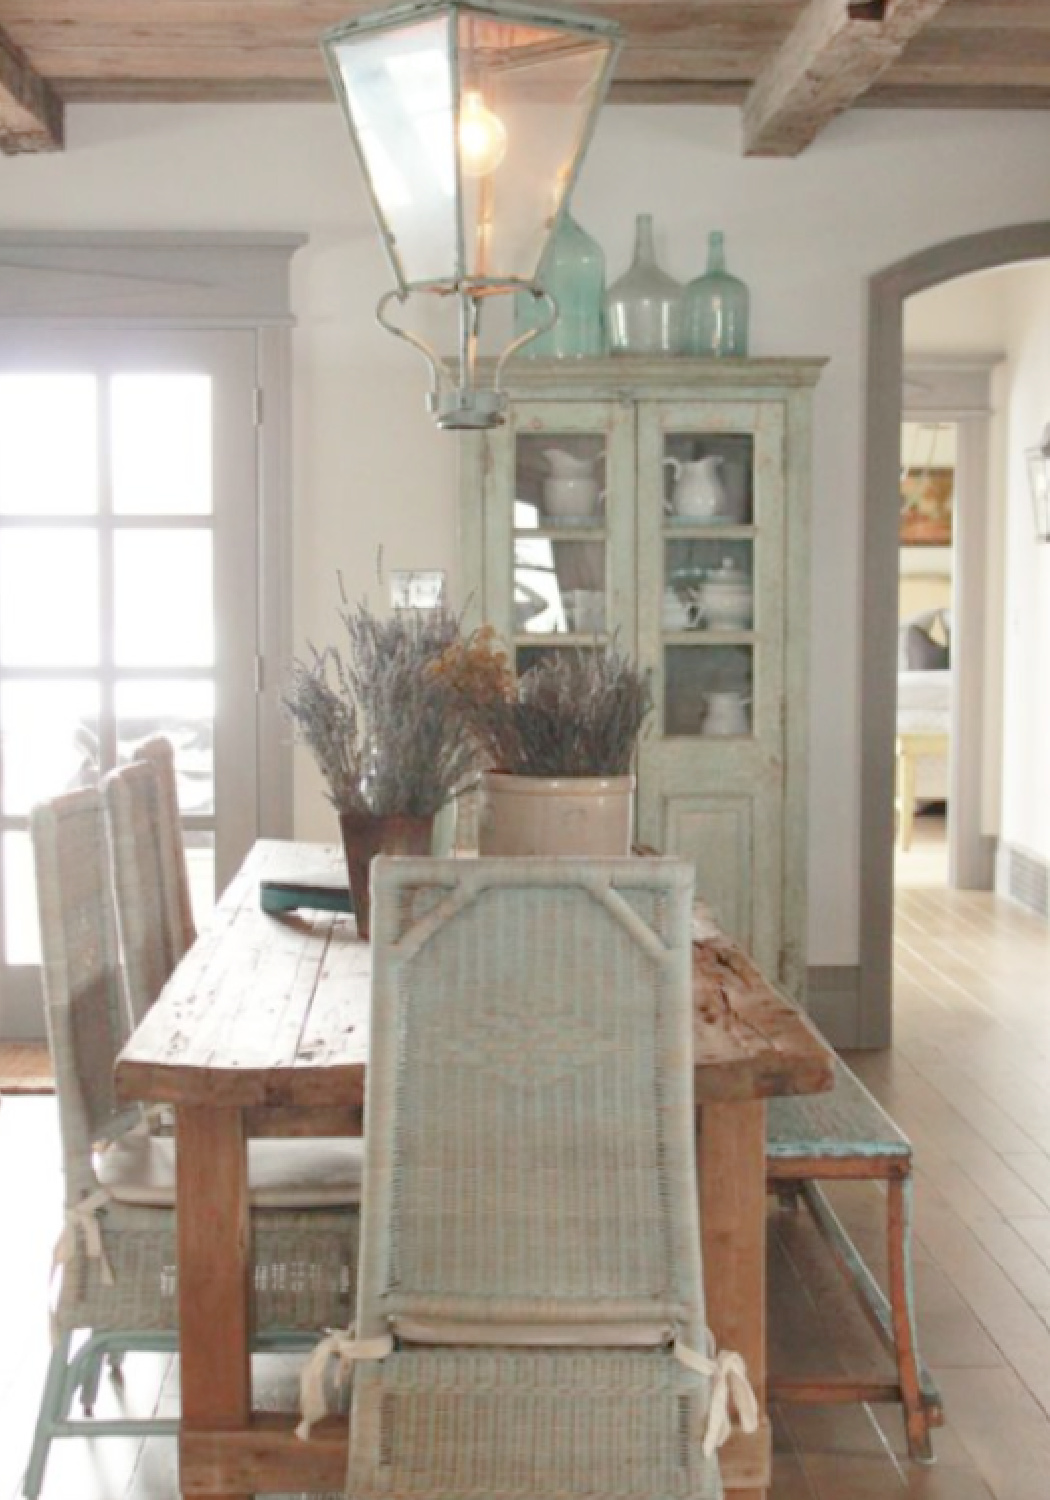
pixel 725 714
pixel 565 465
pixel 698 489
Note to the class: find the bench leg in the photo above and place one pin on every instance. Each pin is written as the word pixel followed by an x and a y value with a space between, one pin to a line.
pixel 789 1193
pixel 902 1305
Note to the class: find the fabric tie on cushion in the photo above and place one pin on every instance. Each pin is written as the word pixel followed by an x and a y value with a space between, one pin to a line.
pixel 84 1216
pixel 340 1346
pixel 729 1377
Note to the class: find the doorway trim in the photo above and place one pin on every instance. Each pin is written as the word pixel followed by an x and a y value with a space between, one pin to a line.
pixel 878 688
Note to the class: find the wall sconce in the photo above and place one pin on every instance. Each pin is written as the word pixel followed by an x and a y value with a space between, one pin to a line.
pixel 470 119
pixel 1039 483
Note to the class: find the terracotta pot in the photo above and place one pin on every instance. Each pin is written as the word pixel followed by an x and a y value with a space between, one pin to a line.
pixel 365 836
pixel 581 815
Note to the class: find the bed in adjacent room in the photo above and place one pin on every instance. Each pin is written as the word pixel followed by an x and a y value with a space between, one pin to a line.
pixel 923 714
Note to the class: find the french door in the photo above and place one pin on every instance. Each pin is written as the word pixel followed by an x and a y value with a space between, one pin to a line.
pixel 128 593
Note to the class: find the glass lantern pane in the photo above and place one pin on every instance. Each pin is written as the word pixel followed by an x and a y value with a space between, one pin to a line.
pixel 51 740
pixel 162 445
pixel 527 94
pixel 163 609
pixel 49 597
pixel 397 95
pixel 48 445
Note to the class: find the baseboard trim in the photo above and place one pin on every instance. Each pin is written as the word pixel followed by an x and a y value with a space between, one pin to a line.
pixel 833 1002
pixel 1024 878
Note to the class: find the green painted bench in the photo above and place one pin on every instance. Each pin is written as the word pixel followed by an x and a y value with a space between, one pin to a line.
pixel 846 1134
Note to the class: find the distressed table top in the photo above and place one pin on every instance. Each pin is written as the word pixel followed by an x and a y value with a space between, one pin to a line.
pixel 271 1012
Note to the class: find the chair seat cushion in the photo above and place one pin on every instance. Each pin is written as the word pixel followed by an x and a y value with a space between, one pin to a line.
pixel 848 1121
pixel 308 1173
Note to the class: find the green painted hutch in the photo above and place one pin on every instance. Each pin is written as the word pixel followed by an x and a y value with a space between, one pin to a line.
pixel 624 496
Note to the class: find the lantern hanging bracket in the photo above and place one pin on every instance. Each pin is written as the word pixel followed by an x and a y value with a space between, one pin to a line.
pixel 455 399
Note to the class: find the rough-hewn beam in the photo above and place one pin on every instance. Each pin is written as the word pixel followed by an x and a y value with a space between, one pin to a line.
pixel 832 56
pixel 31 114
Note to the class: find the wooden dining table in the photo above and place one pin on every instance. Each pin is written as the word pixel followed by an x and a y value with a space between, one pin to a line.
pixel 263 1030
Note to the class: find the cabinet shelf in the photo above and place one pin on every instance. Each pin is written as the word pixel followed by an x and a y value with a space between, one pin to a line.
pixel 561 638
pixel 709 637
pixel 707 531
pixel 559 533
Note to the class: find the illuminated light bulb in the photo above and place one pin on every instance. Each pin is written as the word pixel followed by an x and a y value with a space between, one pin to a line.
pixel 482 136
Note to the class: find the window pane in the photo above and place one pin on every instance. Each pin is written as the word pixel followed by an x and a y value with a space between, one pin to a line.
pixel 50 740
pixel 49 598
pixel 162 445
pixel 163 599
pixel 200 862
pixel 185 712
pixel 48 445
pixel 21 924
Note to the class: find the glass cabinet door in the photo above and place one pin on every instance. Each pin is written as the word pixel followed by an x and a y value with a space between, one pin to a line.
pixel 711 493
pixel 710 496
pixel 558 527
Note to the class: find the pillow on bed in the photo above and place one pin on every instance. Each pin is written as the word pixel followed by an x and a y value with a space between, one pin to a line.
pixel 917 651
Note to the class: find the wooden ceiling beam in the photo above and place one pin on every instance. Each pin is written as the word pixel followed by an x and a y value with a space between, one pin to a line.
pixel 31 113
pixel 833 54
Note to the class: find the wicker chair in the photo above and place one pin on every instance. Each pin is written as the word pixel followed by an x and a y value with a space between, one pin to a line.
pixel 530 1306
pixel 159 753
pixel 145 881
pixel 115 1261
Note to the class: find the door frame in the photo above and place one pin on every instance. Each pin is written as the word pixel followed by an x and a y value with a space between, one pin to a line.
pixel 141 281
pixel 888 290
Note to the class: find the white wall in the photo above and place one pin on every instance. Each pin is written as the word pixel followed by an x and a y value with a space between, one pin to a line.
pixel 1026 697
pixel 370 469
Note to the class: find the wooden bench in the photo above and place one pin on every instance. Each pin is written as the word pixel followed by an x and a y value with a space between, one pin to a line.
pixel 846 1134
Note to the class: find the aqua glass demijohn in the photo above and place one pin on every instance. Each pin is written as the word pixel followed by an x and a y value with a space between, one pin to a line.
pixel 643 310
pixel 716 307
pixel 573 272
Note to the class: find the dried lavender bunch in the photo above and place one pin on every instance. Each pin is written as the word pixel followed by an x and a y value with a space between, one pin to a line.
pixel 387 730
pixel 576 713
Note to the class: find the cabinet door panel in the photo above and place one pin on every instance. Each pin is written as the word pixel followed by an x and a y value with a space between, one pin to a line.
pixel 557 525
pixel 715 833
pixel 735 843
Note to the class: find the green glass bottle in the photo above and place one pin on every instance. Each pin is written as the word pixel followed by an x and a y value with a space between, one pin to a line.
pixel 573 271
pixel 716 307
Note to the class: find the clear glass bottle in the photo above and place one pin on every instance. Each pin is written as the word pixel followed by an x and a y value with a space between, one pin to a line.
pixel 716 306
pixel 644 309
pixel 573 271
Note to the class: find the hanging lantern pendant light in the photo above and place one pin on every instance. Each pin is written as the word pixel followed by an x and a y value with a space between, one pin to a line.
pixel 470 119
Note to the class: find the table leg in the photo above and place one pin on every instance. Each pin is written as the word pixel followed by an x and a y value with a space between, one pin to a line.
pixel 214 1253
pixel 731 1155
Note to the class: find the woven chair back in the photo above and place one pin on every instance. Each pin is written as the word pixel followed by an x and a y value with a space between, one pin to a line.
pixel 85 1007
pixel 531 1156
pixel 159 753
pixel 145 879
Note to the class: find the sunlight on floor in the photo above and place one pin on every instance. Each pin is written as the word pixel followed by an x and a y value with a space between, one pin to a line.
pixel 926 862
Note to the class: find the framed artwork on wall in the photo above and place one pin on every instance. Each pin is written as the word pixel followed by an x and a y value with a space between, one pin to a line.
pixel 926 507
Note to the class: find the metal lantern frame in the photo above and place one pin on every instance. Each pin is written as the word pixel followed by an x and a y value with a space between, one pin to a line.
pixel 456 399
